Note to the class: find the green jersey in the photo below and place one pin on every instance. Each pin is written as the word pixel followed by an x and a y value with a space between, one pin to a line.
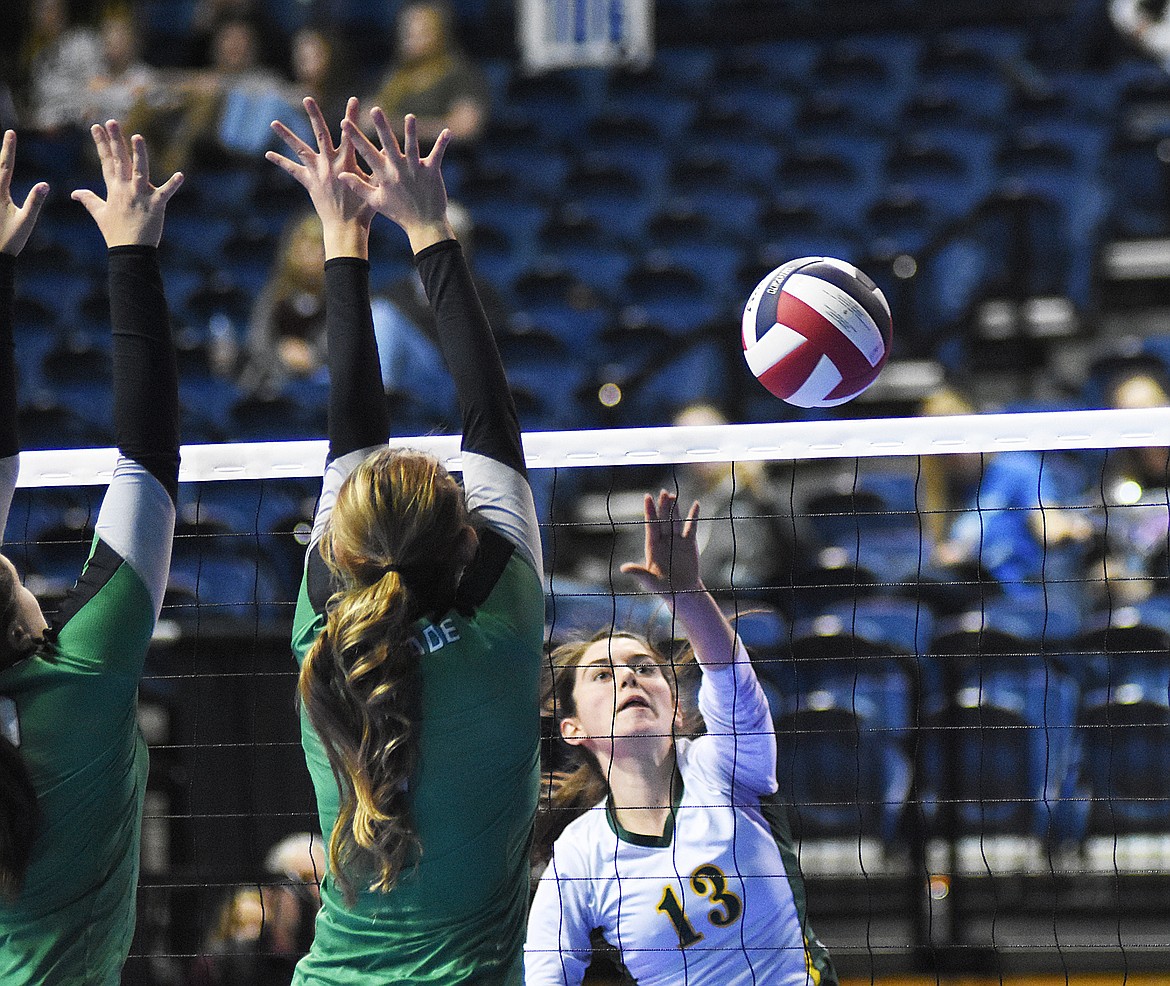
pixel 458 914
pixel 71 711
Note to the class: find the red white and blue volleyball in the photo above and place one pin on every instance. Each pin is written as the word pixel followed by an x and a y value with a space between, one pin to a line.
pixel 816 332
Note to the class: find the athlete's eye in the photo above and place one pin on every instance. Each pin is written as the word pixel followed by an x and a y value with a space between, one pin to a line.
pixel 601 674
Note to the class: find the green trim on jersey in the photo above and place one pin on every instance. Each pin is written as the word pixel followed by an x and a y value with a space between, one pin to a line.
pixel 649 841
pixel 459 914
pixel 820 965
pixel 76 700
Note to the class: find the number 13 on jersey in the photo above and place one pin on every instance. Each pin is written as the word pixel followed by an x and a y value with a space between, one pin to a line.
pixel 707 881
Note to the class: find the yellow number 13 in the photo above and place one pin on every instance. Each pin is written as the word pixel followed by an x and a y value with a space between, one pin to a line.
pixel 708 881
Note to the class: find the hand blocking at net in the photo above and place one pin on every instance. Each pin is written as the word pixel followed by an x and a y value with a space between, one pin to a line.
pixel 420 619
pixel 676 849
pixel 73 764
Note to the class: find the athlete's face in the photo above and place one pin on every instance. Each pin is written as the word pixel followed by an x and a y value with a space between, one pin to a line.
pixel 620 691
pixel 29 623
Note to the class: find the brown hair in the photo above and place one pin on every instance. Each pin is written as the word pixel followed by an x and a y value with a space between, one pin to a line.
pixel 20 815
pixel 566 794
pixel 392 541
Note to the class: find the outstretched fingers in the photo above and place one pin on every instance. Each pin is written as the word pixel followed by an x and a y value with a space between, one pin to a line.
pixel 410 139
pixel 120 153
pixel 320 127
pixel 385 133
pixel 435 158
pixel 7 162
pixel 169 187
pixel 295 144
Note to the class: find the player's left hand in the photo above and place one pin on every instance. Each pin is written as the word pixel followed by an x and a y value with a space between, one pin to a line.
pixel 16 221
pixel 132 212
pixel 672 551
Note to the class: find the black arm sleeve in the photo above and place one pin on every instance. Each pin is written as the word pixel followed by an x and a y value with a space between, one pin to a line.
pixel 358 415
pixel 146 379
pixel 9 438
pixel 490 425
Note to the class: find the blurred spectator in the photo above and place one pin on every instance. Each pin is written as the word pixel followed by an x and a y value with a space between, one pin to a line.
pixel 286 333
pixel 8 119
pixel 235 949
pixel 407 295
pixel 210 15
pixel 1134 527
pixel 984 509
pixel 316 73
pixel 1145 24
pixel 299 861
pixel 404 324
pixel 124 80
pixel 747 539
pixel 220 111
pixel 60 57
pixel 431 77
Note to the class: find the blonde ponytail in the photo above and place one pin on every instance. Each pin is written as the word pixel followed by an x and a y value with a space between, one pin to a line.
pixel 392 542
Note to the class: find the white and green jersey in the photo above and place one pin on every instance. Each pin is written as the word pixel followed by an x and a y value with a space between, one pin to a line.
pixel 71 711
pixel 716 900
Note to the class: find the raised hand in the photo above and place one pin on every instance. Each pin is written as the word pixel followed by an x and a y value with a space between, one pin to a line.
pixel 132 212
pixel 403 187
pixel 672 551
pixel 345 214
pixel 16 222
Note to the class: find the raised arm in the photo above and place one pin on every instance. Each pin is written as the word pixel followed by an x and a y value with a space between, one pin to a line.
pixel 16 224
pixel 739 748
pixel 671 570
pixel 409 190
pixel 136 521
pixel 358 417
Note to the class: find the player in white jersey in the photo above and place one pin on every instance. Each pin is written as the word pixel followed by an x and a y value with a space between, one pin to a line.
pixel 680 858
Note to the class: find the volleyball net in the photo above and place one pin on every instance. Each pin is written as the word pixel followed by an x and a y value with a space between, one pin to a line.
pixel 962 625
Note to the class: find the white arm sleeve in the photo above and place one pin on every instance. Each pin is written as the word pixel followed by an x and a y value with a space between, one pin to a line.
pixel 9 467
pixel 503 498
pixel 558 950
pixel 137 520
pixel 738 750
pixel 335 474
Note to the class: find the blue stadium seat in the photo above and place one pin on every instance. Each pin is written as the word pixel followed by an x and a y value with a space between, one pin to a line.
pixel 844 777
pixel 998 753
pixel 684 68
pixel 904 626
pixel 953 182
pixel 553 101
pixel 1137 165
pixel 297 412
pixel 792 60
pixel 574 608
pixel 227 581
pixel 763 629
pixel 669 295
pixel 1125 732
pixel 873 88
pixel 681 374
pixel 836 181
pixel 1125 640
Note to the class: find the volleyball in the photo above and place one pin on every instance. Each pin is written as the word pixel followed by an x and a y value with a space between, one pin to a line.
pixel 816 332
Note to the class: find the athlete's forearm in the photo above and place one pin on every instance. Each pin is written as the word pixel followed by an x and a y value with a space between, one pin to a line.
pixel 358 416
pixel 9 439
pixel 146 379
pixel 490 425
pixel 707 629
